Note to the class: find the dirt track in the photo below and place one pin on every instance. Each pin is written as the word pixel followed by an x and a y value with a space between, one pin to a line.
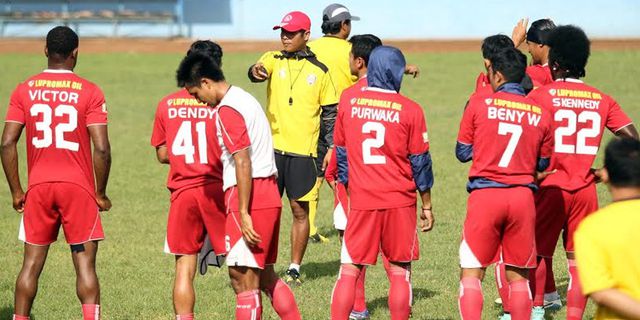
pixel 102 45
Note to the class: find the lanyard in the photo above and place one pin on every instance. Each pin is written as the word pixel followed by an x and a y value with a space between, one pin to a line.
pixel 294 80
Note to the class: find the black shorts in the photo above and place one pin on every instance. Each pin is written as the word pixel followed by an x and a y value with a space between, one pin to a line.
pixel 296 174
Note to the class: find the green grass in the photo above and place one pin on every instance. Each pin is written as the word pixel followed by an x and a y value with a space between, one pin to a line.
pixel 136 276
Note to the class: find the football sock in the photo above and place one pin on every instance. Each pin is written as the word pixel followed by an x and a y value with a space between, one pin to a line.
pixel 343 293
pixel 295 266
pixel 18 317
pixel 386 264
pixel 538 281
pixel 470 299
pixel 313 208
pixel 360 303
pixel 550 283
pixel 283 301
pixel 399 293
pixel 248 306
pixel 503 285
pixel 520 299
pixel 188 316
pixel 576 301
pixel 91 311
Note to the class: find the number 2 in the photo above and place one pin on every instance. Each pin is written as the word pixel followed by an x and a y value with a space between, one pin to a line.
pixel 44 126
pixel 516 132
pixel 376 142
pixel 572 118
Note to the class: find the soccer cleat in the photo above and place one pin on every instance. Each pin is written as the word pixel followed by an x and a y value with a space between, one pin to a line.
pixel 292 277
pixel 505 316
pixel 318 238
pixel 359 315
pixel 537 313
pixel 552 301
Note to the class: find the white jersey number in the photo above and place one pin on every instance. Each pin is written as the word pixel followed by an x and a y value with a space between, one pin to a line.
pixel 572 118
pixel 183 143
pixel 44 126
pixel 515 131
pixel 377 141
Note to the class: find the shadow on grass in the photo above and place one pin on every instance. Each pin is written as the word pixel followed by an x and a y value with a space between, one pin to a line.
pixel 316 270
pixel 418 294
pixel 6 312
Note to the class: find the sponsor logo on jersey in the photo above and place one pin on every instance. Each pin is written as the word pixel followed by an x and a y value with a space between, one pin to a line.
pixel 57 84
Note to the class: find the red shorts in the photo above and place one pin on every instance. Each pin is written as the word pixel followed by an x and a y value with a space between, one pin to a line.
pixel 266 222
pixel 499 221
pixel 341 207
pixel 194 212
pixel 392 231
pixel 49 205
pixel 559 210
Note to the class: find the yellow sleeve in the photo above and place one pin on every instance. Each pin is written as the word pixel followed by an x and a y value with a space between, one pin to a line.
pixel 593 261
pixel 328 94
pixel 268 60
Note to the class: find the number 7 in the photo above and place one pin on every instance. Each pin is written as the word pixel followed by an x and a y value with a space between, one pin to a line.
pixel 516 132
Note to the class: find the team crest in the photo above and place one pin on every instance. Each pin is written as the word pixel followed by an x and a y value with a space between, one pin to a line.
pixel 283 73
pixel 425 137
pixel 488 101
pixel 31 83
pixel 311 79
pixel 353 101
pixel 552 92
pixel 170 102
pixel 287 18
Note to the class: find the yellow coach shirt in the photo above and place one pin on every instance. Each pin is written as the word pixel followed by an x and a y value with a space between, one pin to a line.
pixel 298 86
pixel 607 252
pixel 334 53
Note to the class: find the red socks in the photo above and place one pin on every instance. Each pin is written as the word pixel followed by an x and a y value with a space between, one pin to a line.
pixel 399 292
pixel 91 312
pixel 248 306
pixel 503 285
pixel 576 301
pixel 550 284
pixel 188 316
pixel 520 299
pixel 360 303
pixel 538 277
pixel 283 301
pixel 343 294
pixel 18 317
pixel 470 299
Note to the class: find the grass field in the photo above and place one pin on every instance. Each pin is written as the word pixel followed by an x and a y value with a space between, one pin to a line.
pixel 135 275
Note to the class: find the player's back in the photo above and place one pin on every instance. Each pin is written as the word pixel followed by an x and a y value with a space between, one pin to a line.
pixel 507 132
pixel 188 129
pixel 56 107
pixel 580 114
pixel 379 128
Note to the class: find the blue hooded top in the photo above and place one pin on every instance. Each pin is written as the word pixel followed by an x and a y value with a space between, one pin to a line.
pixel 385 68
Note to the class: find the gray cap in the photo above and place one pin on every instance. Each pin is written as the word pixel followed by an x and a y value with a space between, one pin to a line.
pixel 336 13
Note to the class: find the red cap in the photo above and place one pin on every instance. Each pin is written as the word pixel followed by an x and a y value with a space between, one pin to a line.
pixel 294 21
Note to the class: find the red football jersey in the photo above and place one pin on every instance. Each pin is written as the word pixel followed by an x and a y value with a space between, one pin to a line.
pixel 540 75
pixel 580 113
pixel 509 132
pixel 483 86
pixel 380 129
pixel 56 107
pixel 188 129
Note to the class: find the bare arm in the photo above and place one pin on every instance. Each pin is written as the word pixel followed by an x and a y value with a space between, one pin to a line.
pixel 618 301
pixel 426 213
pixel 628 131
pixel 101 163
pixel 519 34
pixel 243 180
pixel 162 154
pixel 9 155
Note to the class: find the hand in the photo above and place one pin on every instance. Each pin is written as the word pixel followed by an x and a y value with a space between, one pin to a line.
pixel 426 220
pixel 251 237
pixel 598 173
pixel 104 203
pixel 519 33
pixel 412 69
pixel 259 72
pixel 542 175
pixel 327 158
pixel 18 201
pixel 332 185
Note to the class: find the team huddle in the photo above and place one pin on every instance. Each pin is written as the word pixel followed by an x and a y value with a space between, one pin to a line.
pixel 335 112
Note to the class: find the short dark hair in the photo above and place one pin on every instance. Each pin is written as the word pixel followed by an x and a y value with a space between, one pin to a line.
pixel 511 63
pixel 622 161
pixel 332 27
pixel 569 50
pixel 363 44
pixel 540 30
pixel 207 48
pixel 495 43
pixel 61 41
pixel 195 67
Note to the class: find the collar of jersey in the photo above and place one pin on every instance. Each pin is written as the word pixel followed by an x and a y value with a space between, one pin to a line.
pixel 510 87
pixel 570 80
pixel 378 90
pixel 57 71
pixel 298 55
